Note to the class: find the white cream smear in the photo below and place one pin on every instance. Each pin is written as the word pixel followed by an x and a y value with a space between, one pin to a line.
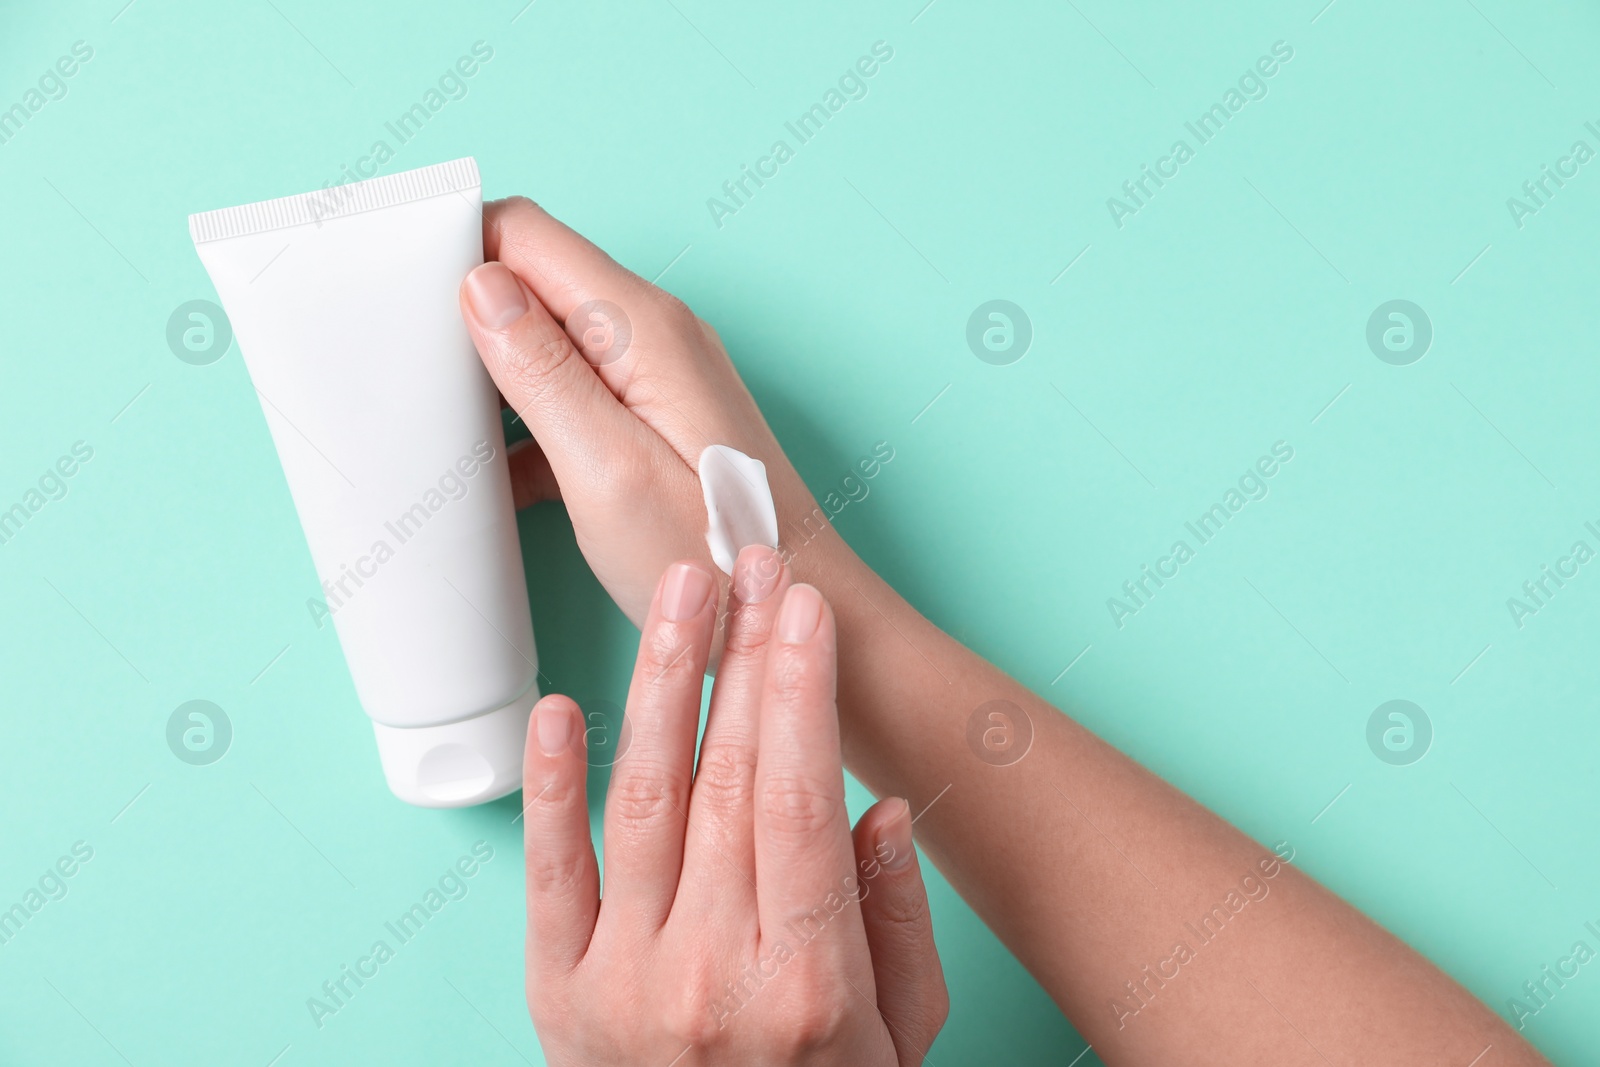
pixel 738 504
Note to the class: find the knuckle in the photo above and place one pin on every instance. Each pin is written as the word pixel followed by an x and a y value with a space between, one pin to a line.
pixel 726 779
pixel 694 1017
pixel 798 807
pixel 791 679
pixel 554 799
pixel 531 361
pixel 510 217
pixel 928 1017
pixel 816 1019
pixel 709 334
pixel 675 312
pixel 679 322
pixel 668 662
pixel 554 873
pixel 905 909
pixel 644 796
pixel 747 637
pixel 938 1006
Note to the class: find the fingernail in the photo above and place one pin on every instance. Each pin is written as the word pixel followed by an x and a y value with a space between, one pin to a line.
pixel 684 591
pixel 756 573
pixel 894 840
pixel 552 725
pixel 802 611
pixel 496 296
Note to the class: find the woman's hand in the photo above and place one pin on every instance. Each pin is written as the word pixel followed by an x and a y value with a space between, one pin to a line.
pixel 743 923
pixel 622 387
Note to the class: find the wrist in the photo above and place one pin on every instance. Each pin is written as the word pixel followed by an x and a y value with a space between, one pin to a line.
pixel 818 556
pixel 880 637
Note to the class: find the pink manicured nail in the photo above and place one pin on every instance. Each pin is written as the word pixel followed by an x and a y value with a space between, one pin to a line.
pixel 894 840
pixel 802 611
pixel 684 591
pixel 756 573
pixel 496 296
pixel 552 726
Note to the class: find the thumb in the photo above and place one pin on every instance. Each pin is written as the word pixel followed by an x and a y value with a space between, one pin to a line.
pixel 580 426
pixel 894 908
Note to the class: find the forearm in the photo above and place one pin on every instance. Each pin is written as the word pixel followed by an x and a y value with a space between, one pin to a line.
pixel 1113 888
pixel 1093 871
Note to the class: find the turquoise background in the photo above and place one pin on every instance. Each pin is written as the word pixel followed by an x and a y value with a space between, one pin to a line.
pixel 1229 313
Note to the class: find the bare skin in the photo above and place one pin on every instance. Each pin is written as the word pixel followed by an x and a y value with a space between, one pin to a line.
pixel 1091 870
pixel 743 923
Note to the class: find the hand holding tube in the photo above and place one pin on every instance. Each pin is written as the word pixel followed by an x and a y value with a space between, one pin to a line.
pixel 623 388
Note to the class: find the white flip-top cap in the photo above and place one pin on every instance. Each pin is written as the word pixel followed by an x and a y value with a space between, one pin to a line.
pixel 460 763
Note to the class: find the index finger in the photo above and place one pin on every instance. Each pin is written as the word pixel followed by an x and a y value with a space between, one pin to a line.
pixel 563 268
pixel 806 888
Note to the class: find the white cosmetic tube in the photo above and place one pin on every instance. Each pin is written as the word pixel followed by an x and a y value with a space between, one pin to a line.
pixel 388 429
